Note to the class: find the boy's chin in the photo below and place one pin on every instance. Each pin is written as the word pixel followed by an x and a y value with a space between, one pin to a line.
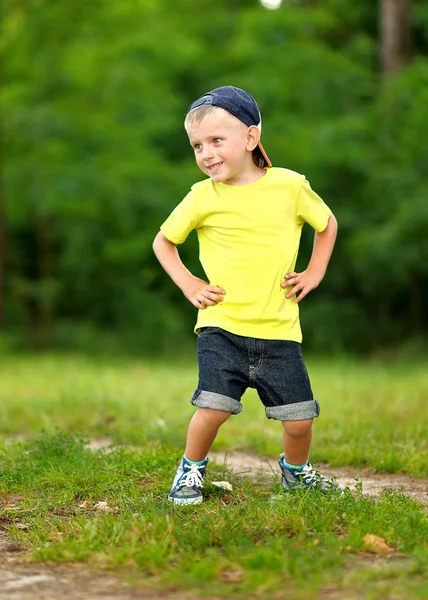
pixel 219 177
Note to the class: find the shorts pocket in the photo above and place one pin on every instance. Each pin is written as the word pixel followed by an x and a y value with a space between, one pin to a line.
pixel 207 330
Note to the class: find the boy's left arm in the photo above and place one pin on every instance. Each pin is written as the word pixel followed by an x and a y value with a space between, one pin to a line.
pixel 311 278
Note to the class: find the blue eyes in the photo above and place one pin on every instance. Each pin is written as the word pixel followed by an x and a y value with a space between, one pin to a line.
pixel 214 141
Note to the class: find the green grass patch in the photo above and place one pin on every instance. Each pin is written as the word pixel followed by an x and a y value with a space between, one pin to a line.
pixel 254 541
pixel 371 414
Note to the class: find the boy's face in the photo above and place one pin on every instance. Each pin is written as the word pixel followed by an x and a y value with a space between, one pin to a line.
pixel 223 146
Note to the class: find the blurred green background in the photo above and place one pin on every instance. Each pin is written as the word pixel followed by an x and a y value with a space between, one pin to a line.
pixel 94 157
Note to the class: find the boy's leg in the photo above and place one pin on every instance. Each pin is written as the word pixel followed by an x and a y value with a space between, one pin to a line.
pixel 202 432
pixel 188 481
pixel 283 385
pixel 296 441
pixel 223 378
pixel 297 471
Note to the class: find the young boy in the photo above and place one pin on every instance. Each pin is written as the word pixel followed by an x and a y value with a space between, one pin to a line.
pixel 248 217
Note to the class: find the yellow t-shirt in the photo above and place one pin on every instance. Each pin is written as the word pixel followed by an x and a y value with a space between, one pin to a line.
pixel 249 239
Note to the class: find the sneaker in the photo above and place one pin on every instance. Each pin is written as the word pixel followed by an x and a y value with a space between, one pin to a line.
pixel 308 477
pixel 188 482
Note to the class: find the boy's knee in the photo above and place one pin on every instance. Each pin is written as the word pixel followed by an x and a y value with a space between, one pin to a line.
pixel 297 428
pixel 212 415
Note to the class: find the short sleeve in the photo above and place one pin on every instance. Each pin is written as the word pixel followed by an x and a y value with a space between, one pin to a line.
pixel 311 208
pixel 183 219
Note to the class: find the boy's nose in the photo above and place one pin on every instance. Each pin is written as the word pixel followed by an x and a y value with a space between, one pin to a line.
pixel 207 153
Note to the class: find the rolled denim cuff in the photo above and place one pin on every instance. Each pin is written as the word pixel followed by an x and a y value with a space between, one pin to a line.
pixel 204 399
pixel 294 412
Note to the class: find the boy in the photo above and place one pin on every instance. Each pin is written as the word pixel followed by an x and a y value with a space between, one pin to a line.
pixel 248 217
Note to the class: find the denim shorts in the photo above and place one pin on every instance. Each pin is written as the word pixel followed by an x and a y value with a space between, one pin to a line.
pixel 229 364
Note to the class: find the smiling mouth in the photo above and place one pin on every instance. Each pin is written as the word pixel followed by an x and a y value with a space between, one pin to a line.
pixel 212 169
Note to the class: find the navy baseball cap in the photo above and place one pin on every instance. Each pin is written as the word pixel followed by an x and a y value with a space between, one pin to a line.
pixel 239 103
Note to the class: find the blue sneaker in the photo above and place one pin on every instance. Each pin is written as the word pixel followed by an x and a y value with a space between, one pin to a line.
pixel 308 477
pixel 188 482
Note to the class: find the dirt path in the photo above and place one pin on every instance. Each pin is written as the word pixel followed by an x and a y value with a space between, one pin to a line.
pixel 19 581
pixel 24 581
pixel 29 581
pixel 252 465
pixel 373 483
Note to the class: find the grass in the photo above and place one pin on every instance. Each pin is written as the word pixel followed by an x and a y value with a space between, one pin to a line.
pixel 371 414
pixel 251 542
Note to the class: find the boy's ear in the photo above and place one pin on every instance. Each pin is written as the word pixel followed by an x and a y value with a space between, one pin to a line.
pixel 253 137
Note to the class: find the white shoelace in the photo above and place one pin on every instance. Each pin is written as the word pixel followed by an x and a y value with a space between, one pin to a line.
pixel 194 477
pixel 310 475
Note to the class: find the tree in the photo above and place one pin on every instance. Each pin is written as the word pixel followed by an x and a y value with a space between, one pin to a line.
pixel 95 96
pixel 2 256
pixel 395 34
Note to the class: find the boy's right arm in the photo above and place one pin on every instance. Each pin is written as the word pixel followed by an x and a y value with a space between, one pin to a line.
pixel 200 293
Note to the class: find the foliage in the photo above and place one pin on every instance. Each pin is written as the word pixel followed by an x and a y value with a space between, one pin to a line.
pixel 96 157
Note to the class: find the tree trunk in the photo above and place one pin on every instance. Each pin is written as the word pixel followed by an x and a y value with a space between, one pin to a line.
pixel 417 306
pixel 395 34
pixel 44 268
pixel 2 252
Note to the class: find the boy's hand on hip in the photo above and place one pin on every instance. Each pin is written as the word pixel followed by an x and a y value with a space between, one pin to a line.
pixel 303 282
pixel 201 294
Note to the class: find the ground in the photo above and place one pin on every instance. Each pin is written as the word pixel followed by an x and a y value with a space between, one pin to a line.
pixel 20 580
pixel 373 483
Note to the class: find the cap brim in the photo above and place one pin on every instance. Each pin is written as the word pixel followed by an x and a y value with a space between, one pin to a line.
pixel 265 156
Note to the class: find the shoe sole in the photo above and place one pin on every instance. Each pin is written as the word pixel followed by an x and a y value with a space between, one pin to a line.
pixel 184 501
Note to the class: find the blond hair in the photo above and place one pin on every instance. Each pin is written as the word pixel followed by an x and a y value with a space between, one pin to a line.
pixel 200 112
